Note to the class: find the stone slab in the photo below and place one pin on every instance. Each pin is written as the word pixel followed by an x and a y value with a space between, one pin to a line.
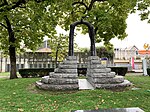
pixel 71 58
pixel 60 70
pixel 84 84
pixel 52 87
pixel 132 109
pixel 63 75
pixel 66 66
pixel 69 62
pixel 126 83
pixel 105 70
pixel 107 80
pixel 96 66
pixel 100 75
pixel 93 58
pixel 62 81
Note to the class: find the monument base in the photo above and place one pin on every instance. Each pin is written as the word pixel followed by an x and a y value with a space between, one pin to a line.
pixel 65 77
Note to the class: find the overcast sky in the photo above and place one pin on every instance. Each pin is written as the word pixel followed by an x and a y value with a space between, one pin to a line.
pixel 138 33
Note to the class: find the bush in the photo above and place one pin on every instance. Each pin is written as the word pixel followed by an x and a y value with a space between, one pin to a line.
pixel 119 70
pixel 148 71
pixel 82 71
pixel 35 72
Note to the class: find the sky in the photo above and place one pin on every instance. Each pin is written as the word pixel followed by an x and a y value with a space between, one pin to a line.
pixel 138 34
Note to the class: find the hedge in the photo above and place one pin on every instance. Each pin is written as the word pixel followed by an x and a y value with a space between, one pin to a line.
pixel 119 70
pixel 35 72
pixel 40 72
pixel 148 71
pixel 82 71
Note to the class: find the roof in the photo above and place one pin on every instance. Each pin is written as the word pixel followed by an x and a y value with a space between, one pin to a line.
pixel 44 50
pixel 132 48
pixel 144 51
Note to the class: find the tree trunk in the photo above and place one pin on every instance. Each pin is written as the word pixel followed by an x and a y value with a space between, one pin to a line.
pixel 56 58
pixel 12 50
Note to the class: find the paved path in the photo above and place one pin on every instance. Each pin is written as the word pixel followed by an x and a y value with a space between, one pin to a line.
pixel 84 84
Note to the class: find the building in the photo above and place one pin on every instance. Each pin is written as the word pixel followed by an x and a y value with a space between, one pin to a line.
pixel 130 57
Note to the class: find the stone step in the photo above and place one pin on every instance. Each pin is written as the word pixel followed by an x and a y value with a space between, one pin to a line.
pixel 126 83
pixel 106 80
pixel 62 81
pixel 95 70
pixel 41 85
pixel 63 75
pixel 69 66
pixel 98 66
pixel 100 75
pixel 65 70
pixel 70 58
pixel 69 62
pixel 93 58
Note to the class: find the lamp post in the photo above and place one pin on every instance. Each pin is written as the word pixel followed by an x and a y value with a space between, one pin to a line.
pixel 144 61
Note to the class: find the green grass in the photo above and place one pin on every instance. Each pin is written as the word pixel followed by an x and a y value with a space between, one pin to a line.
pixel 7 74
pixel 20 95
pixel 4 74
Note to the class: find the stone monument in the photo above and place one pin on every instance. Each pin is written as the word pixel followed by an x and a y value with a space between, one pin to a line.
pixel 65 77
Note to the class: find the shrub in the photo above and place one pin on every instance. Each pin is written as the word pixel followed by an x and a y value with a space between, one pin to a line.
pixel 148 71
pixel 35 72
pixel 82 71
pixel 119 70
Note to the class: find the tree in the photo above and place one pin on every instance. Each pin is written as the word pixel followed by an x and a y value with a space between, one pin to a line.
pixel 59 47
pixel 107 16
pixel 27 21
pixel 104 52
pixel 22 25
pixel 144 7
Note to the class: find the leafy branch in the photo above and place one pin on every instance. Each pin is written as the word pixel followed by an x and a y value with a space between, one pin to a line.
pixel 7 7
pixel 3 25
pixel 87 8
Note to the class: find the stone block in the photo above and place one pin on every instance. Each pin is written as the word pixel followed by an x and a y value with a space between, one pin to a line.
pixel 98 66
pixel 131 109
pixel 63 75
pixel 105 70
pixel 100 75
pixel 95 62
pixel 59 70
pixel 45 79
pixel 69 62
pixel 71 58
pixel 126 83
pixel 62 81
pixel 57 87
pixel 68 66
pixel 93 58
pixel 106 80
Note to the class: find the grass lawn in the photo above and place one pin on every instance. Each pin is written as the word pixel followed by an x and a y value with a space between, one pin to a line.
pixel 7 74
pixel 4 74
pixel 20 95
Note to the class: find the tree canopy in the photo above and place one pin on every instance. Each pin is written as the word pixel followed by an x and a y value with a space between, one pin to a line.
pixel 144 7
pixel 24 23
pixel 107 16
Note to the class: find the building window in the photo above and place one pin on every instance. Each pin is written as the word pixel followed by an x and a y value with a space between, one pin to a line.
pixel 35 65
pixel 40 65
pixel 44 65
pixel 22 65
pixel 31 65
